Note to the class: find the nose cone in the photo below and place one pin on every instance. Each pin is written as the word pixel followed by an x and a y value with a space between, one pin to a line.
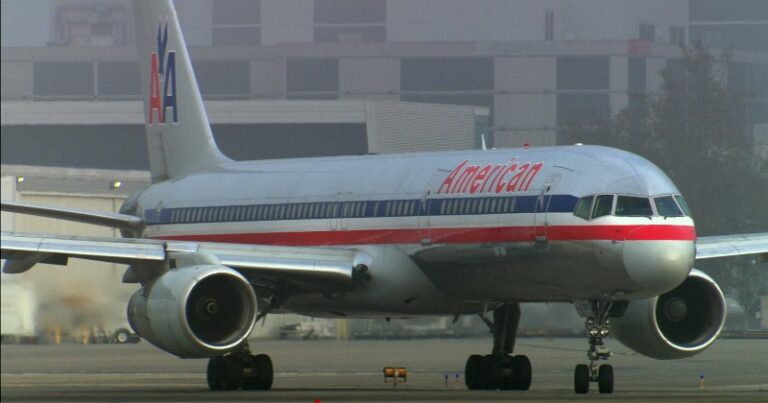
pixel 658 266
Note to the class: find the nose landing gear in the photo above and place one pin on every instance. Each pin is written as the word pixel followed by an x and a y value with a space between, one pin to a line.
pixel 597 326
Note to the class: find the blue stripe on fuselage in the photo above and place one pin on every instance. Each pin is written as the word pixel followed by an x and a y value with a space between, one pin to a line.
pixel 361 209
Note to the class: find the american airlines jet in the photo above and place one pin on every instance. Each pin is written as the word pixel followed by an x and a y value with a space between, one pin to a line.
pixel 216 245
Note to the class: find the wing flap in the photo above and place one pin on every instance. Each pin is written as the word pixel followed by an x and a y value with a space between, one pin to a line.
pixel 732 245
pixel 324 267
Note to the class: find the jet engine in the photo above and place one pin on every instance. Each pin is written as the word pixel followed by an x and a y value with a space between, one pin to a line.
pixel 195 311
pixel 677 324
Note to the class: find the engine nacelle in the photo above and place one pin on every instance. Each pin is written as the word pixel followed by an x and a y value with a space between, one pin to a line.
pixel 677 324
pixel 196 311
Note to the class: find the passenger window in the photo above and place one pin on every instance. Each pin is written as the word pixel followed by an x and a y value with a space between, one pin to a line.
pixel 583 207
pixel 667 207
pixel 628 206
pixel 683 205
pixel 603 206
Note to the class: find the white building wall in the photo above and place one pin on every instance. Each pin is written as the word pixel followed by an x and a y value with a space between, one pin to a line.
pixel 7 193
pixel 268 78
pixel 522 20
pixel 195 19
pixel 458 20
pixel 286 21
pixel 525 110
pixel 369 75
pixel 609 13
pixel 618 70
pixel 408 127
pixel 26 23
pixel 675 13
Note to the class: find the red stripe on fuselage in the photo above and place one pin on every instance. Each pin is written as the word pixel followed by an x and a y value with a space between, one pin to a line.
pixel 453 235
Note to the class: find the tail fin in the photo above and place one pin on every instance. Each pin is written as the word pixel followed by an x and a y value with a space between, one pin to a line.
pixel 179 136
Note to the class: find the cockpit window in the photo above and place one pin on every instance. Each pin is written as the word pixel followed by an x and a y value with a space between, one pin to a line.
pixel 667 207
pixel 583 207
pixel 683 205
pixel 603 206
pixel 627 206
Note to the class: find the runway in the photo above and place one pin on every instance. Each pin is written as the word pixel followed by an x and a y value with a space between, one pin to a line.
pixel 332 371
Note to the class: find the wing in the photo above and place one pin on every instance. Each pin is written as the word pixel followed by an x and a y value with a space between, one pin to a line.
pixel 709 247
pixel 309 269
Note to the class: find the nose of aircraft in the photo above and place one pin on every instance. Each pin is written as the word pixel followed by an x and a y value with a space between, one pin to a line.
pixel 658 265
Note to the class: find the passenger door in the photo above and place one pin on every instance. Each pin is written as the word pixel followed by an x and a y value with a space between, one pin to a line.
pixel 540 222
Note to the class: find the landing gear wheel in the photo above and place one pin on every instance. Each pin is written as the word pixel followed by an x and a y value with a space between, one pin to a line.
pixel 213 373
pixel 225 373
pixel 508 376
pixel 605 379
pixel 232 373
pixel 473 372
pixel 261 373
pixel 521 372
pixel 581 379
pixel 491 370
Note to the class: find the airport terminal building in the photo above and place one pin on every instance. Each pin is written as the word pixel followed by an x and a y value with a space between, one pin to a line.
pixel 296 78
pixel 536 66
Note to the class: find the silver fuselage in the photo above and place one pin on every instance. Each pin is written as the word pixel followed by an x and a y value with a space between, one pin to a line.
pixel 477 226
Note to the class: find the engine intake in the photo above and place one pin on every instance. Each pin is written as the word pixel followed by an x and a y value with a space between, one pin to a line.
pixel 677 324
pixel 195 312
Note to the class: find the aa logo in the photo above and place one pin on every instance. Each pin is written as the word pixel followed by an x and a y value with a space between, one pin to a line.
pixel 162 70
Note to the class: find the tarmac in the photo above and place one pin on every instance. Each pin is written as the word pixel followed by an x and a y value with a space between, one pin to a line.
pixel 335 371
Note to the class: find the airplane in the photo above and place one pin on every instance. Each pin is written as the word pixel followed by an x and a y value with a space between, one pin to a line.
pixel 216 245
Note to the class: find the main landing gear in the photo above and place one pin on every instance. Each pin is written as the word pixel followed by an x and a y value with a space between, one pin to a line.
pixel 500 370
pixel 240 370
pixel 597 326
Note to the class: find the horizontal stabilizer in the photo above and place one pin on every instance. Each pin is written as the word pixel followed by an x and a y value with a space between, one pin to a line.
pixel 114 220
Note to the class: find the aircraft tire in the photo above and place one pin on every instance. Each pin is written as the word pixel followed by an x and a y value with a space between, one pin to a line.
pixel 492 372
pixel 581 379
pixel 605 379
pixel 213 373
pixel 225 373
pixel 508 382
pixel 521 372
pixel 261 375
pixel 473 372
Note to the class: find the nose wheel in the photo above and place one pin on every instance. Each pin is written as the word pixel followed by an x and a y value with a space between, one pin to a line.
pixel 597 327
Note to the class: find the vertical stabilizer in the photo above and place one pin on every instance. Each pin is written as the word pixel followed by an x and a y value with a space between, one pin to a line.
pixel 179 137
